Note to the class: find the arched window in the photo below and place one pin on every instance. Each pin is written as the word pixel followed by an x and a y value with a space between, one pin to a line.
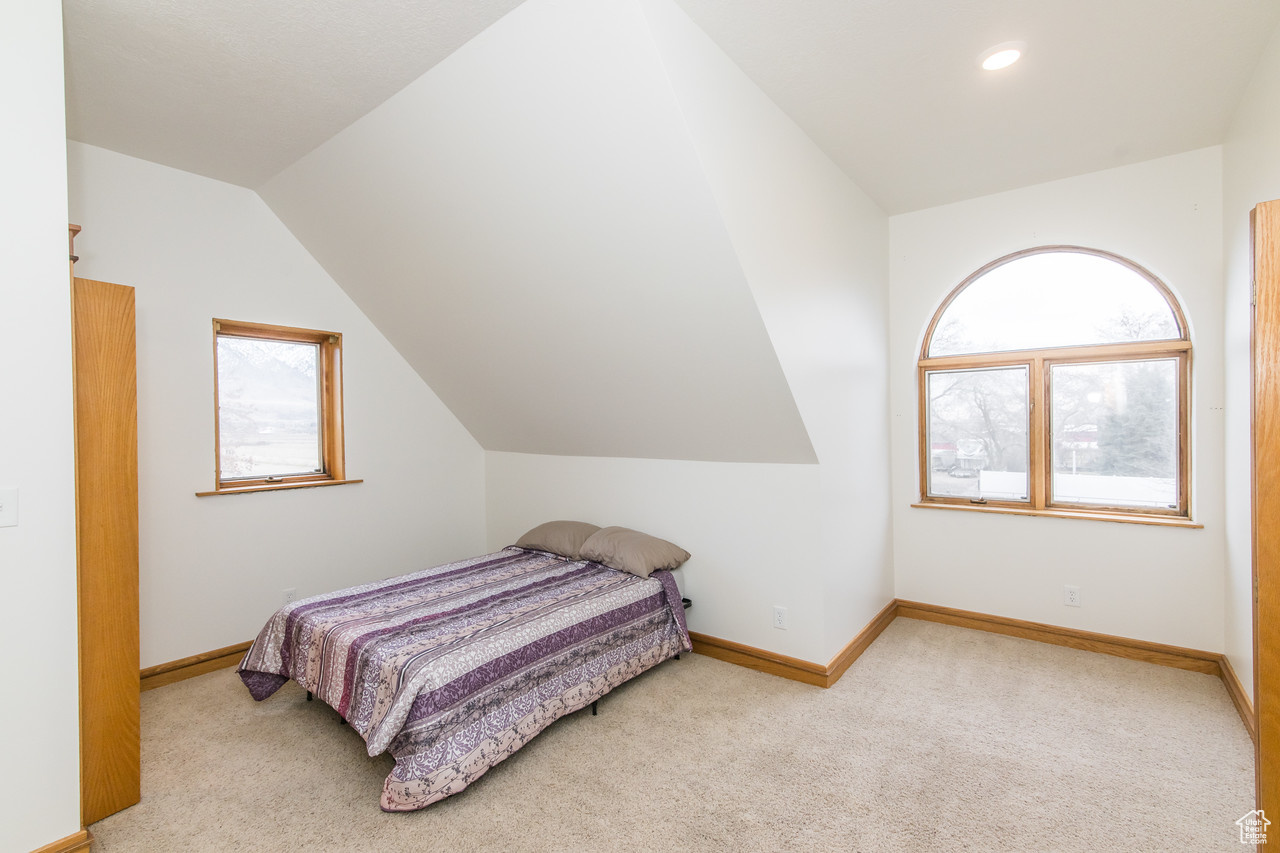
pixel 1056 381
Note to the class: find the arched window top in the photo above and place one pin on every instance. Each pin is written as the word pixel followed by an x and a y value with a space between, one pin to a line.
pixel 1057 381
pixel 1057 296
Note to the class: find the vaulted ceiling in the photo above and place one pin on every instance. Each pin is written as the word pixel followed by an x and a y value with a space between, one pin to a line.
pixel 890 89
pixel 510 192
pixel 238 89
pixel 528 223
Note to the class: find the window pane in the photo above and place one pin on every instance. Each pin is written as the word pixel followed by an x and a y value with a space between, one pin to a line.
pixel 1053 299
pixel 1115 433
pixel 978 433
pixel 268 408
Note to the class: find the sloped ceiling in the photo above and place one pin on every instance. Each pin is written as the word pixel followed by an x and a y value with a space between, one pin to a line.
pixel 529 225
pixel 238 89
pixel 520 209
pixel 892 91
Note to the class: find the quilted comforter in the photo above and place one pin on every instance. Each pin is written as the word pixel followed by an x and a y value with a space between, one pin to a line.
pixel 454 668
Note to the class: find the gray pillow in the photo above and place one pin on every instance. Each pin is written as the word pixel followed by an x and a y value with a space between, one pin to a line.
pixel 632 551
pixel 558 537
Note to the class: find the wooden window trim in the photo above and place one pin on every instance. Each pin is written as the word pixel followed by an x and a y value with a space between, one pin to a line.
pixel 276 487
pixel 1159 285
pixel 332 446
pixel 1091 513
pixel 1038 363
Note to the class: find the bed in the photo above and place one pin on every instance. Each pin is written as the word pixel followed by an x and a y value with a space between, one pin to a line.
pixel 454 668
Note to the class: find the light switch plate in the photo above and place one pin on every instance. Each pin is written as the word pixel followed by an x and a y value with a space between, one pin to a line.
pixel 8 507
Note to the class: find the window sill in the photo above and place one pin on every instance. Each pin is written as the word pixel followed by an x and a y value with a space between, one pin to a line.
pixel 275 487
pixel 1125 518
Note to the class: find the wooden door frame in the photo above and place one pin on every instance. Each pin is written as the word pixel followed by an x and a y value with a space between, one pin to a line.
pixel 1265 440
pixel 104 382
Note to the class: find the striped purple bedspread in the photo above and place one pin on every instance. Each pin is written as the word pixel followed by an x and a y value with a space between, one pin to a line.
pixel 454 668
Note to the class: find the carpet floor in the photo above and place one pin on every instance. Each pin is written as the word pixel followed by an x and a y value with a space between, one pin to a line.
pixel 937 738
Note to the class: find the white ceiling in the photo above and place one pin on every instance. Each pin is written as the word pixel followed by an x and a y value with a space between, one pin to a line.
pixel 530 227
pixel 239 89
pixel 892 91
pixel 529 222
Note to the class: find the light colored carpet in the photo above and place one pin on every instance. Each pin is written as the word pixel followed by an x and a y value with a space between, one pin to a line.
pixel 937 738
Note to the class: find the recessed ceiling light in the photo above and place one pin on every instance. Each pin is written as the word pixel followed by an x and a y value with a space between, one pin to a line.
pixel 1001 56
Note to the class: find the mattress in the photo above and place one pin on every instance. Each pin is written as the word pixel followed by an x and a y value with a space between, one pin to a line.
pixel 454 668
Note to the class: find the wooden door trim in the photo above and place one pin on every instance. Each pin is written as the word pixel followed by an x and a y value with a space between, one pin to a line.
pixel 106 464
pixel 1265 441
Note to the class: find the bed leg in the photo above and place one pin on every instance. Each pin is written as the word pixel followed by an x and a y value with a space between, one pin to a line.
pixel 593 707
pixel 308 695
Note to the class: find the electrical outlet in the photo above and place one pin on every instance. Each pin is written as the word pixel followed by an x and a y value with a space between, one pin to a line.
pixel 780 618
pixel 1071 596
pixel 288 595
pixel 8 507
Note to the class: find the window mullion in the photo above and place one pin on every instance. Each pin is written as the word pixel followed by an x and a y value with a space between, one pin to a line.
pixel 1038 448
pixel 1184 434
pixel 922 429
pixel 334 441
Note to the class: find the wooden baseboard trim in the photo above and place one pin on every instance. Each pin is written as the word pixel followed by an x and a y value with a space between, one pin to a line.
pixel 1139 650
pixel 1209 663
pixel 807 672
pixel 859 644
pixel 180 670
pixel 1241 699
pixel 759 659
pixel 78 842
pixel 795 668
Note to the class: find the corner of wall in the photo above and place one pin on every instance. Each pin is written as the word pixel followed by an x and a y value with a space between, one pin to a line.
pixel 1251 174
pixel 40 740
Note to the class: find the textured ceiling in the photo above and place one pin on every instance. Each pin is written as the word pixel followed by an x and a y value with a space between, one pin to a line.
pixel 891 90
pixel 530 226
pixel 510 192
pixel 239 89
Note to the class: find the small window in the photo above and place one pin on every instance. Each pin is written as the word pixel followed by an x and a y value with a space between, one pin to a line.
pixel 278 402
pixel 1057 381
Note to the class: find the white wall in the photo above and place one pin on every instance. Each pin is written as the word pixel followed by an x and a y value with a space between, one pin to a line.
pixel 811 538
pixel 529 225
pixel 213 568
pixel 813 248
pixel 1140 581
pixel 39 788
pixel 753 531
pixel 1251 174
